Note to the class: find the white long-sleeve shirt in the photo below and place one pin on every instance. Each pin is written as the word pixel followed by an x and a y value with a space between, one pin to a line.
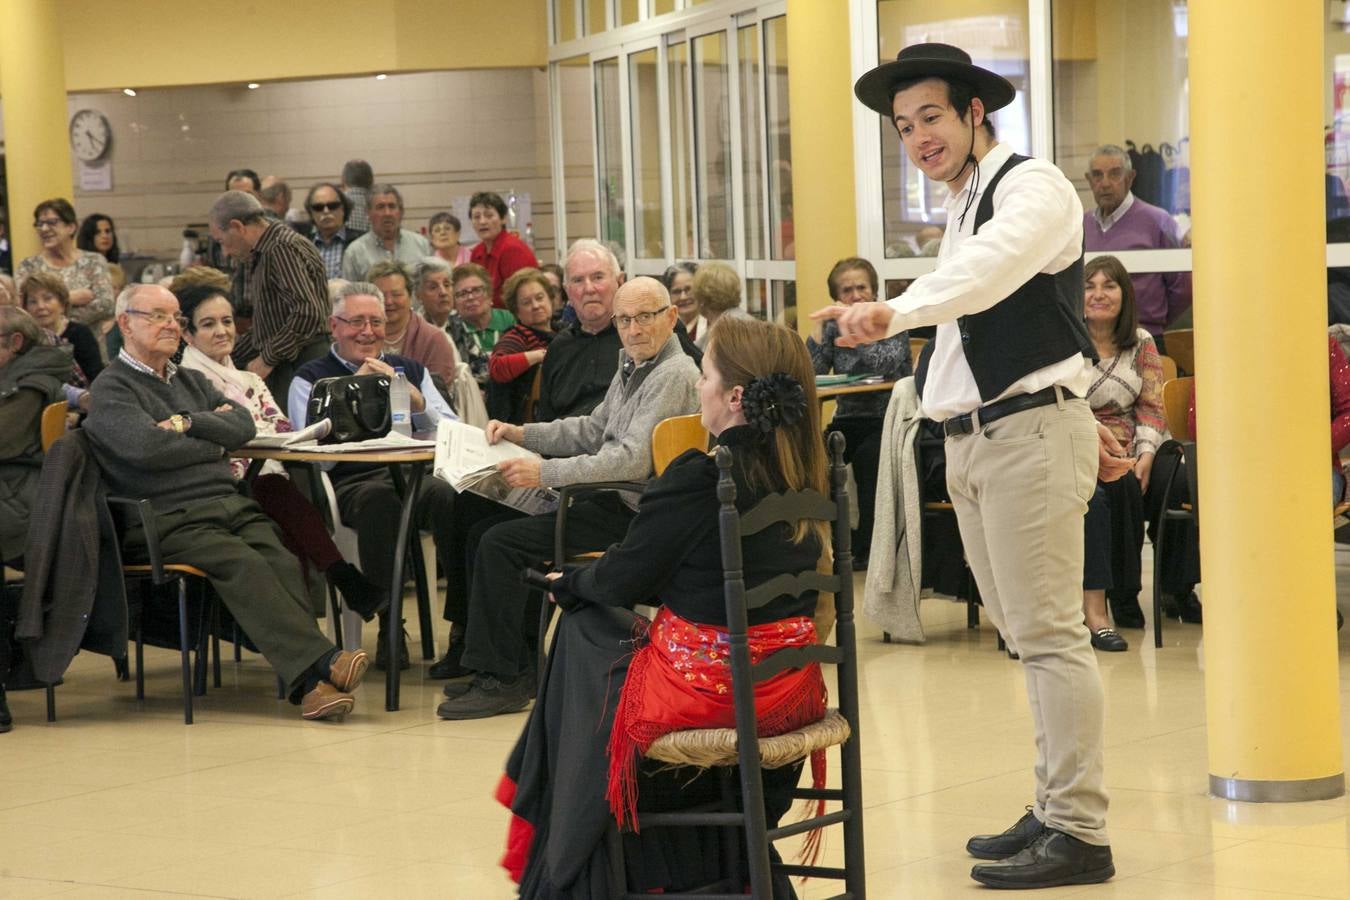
pixel 1037 226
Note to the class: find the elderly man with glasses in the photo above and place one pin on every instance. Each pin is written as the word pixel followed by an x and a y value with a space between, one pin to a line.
pixel 655 380
pixel 365 492
pixel 163 433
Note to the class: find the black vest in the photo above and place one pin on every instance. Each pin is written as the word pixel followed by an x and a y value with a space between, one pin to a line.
pixel 1037 325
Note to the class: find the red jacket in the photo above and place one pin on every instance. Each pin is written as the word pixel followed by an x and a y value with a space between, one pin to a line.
pixel 508 254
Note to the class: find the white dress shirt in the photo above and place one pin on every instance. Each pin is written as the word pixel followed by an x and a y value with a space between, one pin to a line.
pixel 1037 226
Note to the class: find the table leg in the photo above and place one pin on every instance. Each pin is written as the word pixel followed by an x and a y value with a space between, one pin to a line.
pixel 394 631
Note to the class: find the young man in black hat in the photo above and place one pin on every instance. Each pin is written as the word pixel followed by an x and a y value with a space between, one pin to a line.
pixel 1006 377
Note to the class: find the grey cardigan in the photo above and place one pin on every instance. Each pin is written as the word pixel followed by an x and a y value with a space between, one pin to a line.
pixel 614 442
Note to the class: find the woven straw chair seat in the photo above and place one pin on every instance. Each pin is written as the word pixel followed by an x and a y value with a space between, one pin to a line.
pixel 707 747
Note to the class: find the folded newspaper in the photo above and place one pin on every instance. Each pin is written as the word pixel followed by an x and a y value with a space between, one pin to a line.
pixel 466 460
pixel 316 432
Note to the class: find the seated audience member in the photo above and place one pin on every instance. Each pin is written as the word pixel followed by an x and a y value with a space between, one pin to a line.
pixel 573 775
pixel 679 280
pixel 498 251
pixel 515 360
pixel 99 235
pixel 1126 396
pixel 84 272
pixel 284 290
pixel 162 433
pixel 1122 221
pixel 582 359
pixel 613 443
pixel 9 294
pixel 563 314
pixel 717 291
pixel 365 492
pixel 434 289
pixel 386 239
pixel 203 298
pixel 407 334
pixel 329 229
pixel 476 325
pixel 444 229
pixel 32 376
pixel 45 298
pixel 859 416
pixel 357 180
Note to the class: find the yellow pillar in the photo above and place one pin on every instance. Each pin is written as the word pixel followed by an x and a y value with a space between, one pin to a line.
pixel 820 98
pixel 33 91
pixel 1272 698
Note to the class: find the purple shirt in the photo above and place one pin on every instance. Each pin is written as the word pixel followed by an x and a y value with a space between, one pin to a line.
pixel 1159 296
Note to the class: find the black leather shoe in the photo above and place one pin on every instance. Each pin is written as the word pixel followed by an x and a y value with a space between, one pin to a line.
pixel 382 655
pixel 1109 640
pixel 487 696
pixel 449 666
pixel 1125 611
pixel 1002 846
pixel 1187 608
pixel 1053 858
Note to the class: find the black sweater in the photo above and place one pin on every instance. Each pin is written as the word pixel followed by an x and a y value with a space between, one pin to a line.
pixel 672 554
pixel 578 368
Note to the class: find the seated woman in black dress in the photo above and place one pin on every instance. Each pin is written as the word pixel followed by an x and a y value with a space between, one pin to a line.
pixel 46 298
pixel 600 704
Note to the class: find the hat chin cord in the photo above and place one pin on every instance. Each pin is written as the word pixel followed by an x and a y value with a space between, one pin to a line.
pixel 970 161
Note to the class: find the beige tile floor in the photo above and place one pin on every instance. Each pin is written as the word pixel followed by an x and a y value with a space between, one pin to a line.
pixel 120 799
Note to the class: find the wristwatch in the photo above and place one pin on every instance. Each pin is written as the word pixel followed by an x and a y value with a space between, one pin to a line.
pixel 180 423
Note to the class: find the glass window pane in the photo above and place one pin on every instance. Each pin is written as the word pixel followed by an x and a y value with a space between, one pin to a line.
pixel 712 146
pixel 1337 83
pixel 757 297
pixel 785 303
pixel 578 148
pixel 647 155
pixel 663 6
pixel 996 39
pixel 1121 79
pixel 752 173
pixel 595 16
pixel 565 24
pixel 681 148
pixel 609 143
pixel 779 137
pixel 628 12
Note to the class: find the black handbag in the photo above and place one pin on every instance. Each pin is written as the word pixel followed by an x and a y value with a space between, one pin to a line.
pixel 357 405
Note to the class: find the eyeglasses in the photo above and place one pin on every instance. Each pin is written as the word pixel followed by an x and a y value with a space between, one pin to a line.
pixel 159 318
pixel 326 207
pixel 470 293
pixel 48 223
pixel 643 318
pixel 360 322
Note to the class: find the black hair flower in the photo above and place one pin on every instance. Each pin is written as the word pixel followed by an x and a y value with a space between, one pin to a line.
pixel 773 400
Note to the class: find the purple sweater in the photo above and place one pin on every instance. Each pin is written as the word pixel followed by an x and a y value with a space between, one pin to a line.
pixel 1160 296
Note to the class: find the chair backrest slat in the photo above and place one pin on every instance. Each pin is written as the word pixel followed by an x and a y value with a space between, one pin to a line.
pixel 789 584
pixel 786 507
pixel 794 658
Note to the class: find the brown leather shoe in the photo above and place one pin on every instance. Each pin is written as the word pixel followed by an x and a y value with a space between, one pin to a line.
pixel 348 668
pixel 326 702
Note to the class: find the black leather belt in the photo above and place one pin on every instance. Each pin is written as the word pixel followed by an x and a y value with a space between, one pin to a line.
pixel 992 412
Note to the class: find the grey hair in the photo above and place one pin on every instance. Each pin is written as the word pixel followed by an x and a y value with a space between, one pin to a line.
pixel 235 205
pixel 354 289
pixel 1113 150
pixel 15 320
pixel 592 247
pixel 425 266
pixel 129 292
pixel 387 189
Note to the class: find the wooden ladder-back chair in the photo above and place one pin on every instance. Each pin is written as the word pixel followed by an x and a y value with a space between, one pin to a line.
pixel 1177 394
pixel 723 748
pixel 1169 368
pixel 53 424
pixel 1180 345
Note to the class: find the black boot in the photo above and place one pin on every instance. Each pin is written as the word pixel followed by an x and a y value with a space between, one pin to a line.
pixel 449 665
pixel 1186 608
pixel 382 654
pixel 1125 611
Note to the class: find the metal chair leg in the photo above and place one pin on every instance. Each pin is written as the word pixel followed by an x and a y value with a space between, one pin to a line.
pixel 184 650
pixel 140 660
pixel 51 703
pixel 423 594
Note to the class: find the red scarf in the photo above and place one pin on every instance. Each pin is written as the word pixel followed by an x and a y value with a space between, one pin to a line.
pixel 681 678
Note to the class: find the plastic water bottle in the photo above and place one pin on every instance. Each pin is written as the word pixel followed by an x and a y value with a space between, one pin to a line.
pixel 400 404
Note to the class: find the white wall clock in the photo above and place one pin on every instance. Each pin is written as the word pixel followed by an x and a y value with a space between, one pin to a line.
pixel 90 135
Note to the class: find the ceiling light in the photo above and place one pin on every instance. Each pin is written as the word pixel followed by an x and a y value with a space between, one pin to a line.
pixel 129 92
pixel 381 77
pixel 253 85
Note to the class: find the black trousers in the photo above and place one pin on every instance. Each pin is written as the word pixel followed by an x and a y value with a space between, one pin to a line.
pixel 368 503
pixel 862 450
pixel 279 379
pixel 1097 542
pixel 1131 514
pixel 500 632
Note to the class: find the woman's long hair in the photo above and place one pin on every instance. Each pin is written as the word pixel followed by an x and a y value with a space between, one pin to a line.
pixel 1126 332
pixel 791 457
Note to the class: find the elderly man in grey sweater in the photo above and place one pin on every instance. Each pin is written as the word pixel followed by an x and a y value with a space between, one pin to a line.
pixel 655 381
pixel 163 433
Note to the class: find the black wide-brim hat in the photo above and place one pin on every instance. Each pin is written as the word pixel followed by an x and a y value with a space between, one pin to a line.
pixel 876 89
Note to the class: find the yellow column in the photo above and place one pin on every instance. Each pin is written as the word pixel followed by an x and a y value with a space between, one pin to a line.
pixel 1272 698
pixel 820 97
pixel 33 91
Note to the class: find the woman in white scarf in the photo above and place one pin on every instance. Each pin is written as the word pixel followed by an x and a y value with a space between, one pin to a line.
pixel 203 297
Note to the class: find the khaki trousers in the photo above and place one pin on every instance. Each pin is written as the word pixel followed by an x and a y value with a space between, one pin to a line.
pixel 1020 488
